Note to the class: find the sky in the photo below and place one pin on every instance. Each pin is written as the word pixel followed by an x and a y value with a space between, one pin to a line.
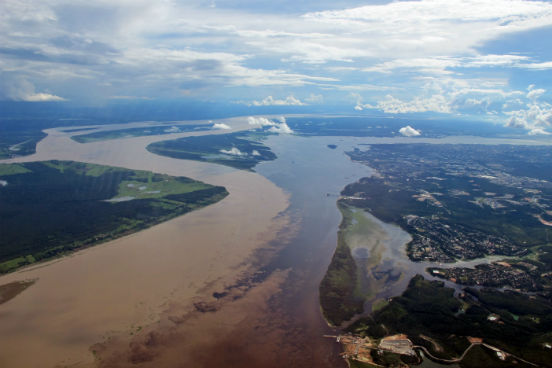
pixel 489 59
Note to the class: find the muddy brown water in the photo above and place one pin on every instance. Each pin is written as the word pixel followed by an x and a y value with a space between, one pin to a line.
pixel 234 284
pixel 199 290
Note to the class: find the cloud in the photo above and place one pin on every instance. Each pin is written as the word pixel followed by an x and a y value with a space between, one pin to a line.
pixel 535 93
pixel 434 103
pixel 444 64
pixel 408 131
pixel 171 49
pixel 275 127
pixel 281 128
pixel 360 106
pixel 259 122
pixel 535 117
pixel 233 151
pixel 41 97
pixel 449 95
pixel 314 99
pixel 538 131
pixel 130 98
pixel 270 101
pixel 173 129
pixel 221 126
pixel 537 66
pixel 19 89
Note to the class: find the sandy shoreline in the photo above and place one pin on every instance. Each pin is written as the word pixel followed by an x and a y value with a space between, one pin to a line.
pixel 118 288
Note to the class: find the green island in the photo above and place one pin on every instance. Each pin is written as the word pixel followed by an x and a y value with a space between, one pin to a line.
pixel 239 150
pixel 136 132
pixel 19 143
pixel 351 281
pixel 458 203
pixel 50 208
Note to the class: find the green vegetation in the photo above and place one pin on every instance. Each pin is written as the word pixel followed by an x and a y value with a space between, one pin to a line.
pixel 6 170
pixel 19 142
pixel 479 356
pixel 390 201
pixel 54 207
pixel 353 275
pixel 239 150
pixel 430 308
pixel 137 132
pixel 458 201
pixel 340 298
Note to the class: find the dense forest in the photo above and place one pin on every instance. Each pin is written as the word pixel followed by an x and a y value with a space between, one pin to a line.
pixel 238 150
pixel 52 207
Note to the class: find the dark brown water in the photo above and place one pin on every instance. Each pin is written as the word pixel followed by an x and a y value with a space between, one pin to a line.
pixel 279 319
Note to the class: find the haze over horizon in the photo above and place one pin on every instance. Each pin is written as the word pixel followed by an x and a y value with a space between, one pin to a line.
pixel 487 59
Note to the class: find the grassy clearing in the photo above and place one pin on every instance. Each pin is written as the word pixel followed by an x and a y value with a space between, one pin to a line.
pixel 159 189
pixel 361 231
pixel 12 169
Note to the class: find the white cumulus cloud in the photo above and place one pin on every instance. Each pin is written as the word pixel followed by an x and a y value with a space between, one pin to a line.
pixel 408 131
pixel 281 128
pixel 259 122
pixel 535 117
pixel 221 126
pixel 535 93
pixel 434 103
pixel 538 131
pixel 233 151
pixel 20 89
pixel 172 129
pixel 271 101
pixel 40 97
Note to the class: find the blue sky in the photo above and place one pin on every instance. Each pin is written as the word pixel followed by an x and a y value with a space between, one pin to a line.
pixel 489 59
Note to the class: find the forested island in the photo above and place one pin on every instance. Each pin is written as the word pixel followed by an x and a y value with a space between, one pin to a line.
pixel 51 208
pixel 137 132
pixel 238 150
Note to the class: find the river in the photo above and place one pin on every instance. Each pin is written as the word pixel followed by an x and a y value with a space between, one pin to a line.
pixel 233 284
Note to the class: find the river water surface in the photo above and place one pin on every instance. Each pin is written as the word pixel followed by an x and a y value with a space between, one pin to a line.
pixel 234 284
